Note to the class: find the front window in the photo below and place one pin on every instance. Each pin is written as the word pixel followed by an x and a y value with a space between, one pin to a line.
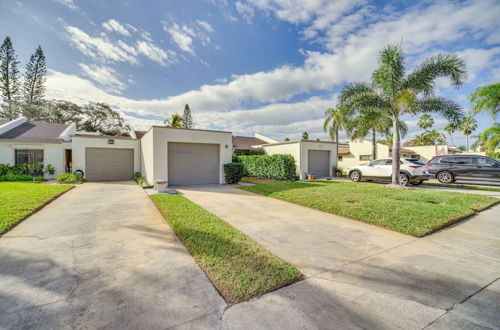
pixel 26 156
pixel 365 157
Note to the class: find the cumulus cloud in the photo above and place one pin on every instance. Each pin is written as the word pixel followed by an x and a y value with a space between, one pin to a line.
pixel 184 36
pixel 104 76
pixel 245 10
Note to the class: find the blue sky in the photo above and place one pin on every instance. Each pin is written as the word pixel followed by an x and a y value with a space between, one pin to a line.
pixel 266 66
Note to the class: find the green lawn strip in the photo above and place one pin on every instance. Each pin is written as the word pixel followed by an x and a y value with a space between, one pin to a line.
pixel 416 212
pixel 20 199
pixel 237 266
pixel 249 179
pixel 461 186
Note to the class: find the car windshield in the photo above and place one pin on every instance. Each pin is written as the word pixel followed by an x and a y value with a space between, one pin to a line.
pixel 415 161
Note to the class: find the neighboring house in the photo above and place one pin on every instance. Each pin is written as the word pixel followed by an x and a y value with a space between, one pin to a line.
pixel 243 145
pixel 175 155
pixel 360 152
pixel 426 153
pixel 316 158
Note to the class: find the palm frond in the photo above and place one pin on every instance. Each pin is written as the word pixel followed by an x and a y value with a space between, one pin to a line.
pixel 353 89
pixel 422 79
pixel 390 73
pixel 440 105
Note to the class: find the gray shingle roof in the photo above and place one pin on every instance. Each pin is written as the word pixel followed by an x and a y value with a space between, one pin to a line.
pixel 246 142
pixel 35 132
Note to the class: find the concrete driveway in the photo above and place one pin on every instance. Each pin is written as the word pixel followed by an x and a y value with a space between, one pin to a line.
pixel 101 256
pixel 362 276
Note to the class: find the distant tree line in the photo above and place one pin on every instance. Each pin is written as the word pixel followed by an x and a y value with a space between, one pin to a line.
pixel 24 95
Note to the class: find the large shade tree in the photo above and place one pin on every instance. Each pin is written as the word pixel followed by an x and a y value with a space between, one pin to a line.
pixel 397 94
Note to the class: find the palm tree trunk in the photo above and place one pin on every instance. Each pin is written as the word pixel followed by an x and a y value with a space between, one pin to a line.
pixel 337 148
pixel 374 144
pixel 467 142
pixel 396 150
pixel 451 138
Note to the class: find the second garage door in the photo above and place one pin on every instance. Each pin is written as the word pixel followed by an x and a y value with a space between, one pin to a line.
pixel 109 164
pixel 318 163
pixel 193 163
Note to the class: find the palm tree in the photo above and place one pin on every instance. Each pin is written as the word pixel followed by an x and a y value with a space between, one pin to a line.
pixel 176 121
pixel 371 121
pixel 395 93
pixel 450 128
pixel 435 137
pixel 489 140
pixel 467 126
pixel 305 135
pixel 486 99
pixel 421 140
pixel 334 122
pixel 425 121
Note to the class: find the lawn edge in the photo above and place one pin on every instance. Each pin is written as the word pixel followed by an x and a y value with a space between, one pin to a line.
pixel 474 212
pixel 465 186
pixel 229 302
pixel 36 210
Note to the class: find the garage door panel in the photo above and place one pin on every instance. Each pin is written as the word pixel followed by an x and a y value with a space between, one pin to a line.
pixel 193 163
pixel 103 164
pixel 318 163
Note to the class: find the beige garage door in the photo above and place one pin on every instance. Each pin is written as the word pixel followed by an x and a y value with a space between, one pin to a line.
pixel 193 163
pixel 109 164
pixel 318 163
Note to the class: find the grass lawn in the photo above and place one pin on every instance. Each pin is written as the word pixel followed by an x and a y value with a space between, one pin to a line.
pixel 20 199
pixel 461 186
pixel 237 266
pixel 415 212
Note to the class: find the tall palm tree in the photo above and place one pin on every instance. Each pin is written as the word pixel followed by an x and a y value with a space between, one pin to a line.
pixel 486 99
pixel 396 93
pixel 421 140
pixel 450 128
pixel 334 122
pixel 425 121
pixel 467 126
pixel 436 137
pixel 489 140
pixel 370 121
pixel 176 121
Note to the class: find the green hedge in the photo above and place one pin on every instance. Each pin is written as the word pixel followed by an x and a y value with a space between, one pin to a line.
pixel 233 172
pixel 70 178
pixel 16 177
pixel 278 167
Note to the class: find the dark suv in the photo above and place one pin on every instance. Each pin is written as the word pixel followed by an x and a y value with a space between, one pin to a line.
pixel 469 167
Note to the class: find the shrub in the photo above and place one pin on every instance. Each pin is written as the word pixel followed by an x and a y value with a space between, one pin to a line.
pixel 278 167
pixel 233 172
pixel 70 178
pixel 256 152
pixel 51 169
pixel 16 177
pixel 138 178
pixel 39 178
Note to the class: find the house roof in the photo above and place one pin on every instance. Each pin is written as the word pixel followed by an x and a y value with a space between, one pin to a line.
pixel 140 134
pixel 3 121
pixel 344 151
pixel 408 151
pixel 35 132
pixel 246 142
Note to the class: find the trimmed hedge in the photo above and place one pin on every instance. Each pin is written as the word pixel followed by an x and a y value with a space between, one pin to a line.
pixel 16 177
pixel 233 172
pixel 277 167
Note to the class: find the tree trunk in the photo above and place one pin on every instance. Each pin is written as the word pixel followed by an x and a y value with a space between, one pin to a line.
pixel 396 149
pixel 451 138
pixel 374 144
pixel 337 148
pixel 467 142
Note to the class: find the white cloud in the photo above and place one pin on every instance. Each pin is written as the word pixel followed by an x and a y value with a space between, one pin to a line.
pixel 104 76
pixel 113 25
pixel 245 10
pixel 155 53
pixel 182 36
pixel 205 25
pixel 68 3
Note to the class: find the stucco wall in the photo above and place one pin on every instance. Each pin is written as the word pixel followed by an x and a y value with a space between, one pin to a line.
pixel 163 135
pixel 358 148
pixel 53 153
pixel 147 156
pixel 79 143
pixel 427 152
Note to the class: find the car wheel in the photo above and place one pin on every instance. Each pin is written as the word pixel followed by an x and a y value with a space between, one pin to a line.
pixel 445 177
pixel 404 179
pixel 355 176
pixel 417 183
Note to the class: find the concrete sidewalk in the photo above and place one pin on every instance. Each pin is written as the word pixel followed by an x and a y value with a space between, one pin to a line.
pixel 362 276
pixel 101 256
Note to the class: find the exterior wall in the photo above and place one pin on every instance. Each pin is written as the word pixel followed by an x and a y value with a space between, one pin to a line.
pixel 299 150
pixel 53 153
pixel 147 156
pixel 427 152
pixel 359 148
pixel 79 143
pixel 163 135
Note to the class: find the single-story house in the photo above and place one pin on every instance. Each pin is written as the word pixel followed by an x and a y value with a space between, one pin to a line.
pixel 243 145
pixel 360 152
pixel 175 155
pixel 426 153
pixel 317 158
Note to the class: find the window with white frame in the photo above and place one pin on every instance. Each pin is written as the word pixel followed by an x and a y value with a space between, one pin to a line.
pixel 26 156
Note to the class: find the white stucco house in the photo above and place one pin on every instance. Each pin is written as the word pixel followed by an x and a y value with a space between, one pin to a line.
pixel 177 156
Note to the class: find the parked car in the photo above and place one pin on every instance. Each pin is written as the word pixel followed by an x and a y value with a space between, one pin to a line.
pixel 449 168
pixel 412 171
